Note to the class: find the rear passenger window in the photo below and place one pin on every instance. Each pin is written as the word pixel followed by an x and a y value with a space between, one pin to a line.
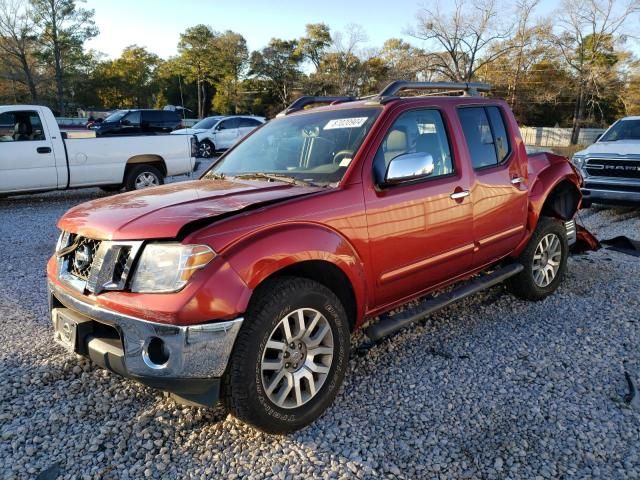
pixel 500 137
pixel 485 134
pixel 248 122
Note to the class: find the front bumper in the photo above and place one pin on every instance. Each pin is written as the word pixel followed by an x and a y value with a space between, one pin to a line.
pixel 189 363
pixel 609 196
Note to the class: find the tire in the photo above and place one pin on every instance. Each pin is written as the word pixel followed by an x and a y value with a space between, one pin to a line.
pixel 250 391
pixel 206 149
pixel 136 175
pixel 111 188
pixel 537 281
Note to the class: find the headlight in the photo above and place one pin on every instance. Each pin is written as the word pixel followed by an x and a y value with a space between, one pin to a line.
pixel 167 267
pixel 578 161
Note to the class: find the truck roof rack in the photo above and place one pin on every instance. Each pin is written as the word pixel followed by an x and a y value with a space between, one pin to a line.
pixel 467 88
pixel 302 102
pixel 390 93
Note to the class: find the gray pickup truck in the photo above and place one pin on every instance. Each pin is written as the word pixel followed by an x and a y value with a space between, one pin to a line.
pixel 611 166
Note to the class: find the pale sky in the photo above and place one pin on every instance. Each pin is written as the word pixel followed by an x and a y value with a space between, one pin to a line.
pixel 157 24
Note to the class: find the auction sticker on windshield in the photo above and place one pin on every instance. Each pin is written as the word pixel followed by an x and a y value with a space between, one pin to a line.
pixel 356 122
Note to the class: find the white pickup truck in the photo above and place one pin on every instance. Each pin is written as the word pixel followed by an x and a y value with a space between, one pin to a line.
pixel 36 156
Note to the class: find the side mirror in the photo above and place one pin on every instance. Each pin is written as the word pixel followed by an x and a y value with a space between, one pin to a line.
pixel 409 166
pixel 125 122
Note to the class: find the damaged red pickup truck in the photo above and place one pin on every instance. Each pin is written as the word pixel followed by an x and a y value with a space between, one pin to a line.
pixel 244 286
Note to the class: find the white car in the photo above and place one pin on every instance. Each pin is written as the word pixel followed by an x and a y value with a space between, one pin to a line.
pixel 36 156
pixel 220 133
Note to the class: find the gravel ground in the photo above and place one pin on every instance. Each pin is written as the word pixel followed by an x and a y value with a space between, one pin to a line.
pixel 492 387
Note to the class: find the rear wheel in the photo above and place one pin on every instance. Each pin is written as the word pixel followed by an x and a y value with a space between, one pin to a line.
pixel 142 176
pixel 290 356
pixel 544 260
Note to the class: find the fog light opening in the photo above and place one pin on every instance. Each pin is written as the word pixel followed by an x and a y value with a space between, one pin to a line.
pixel 156 355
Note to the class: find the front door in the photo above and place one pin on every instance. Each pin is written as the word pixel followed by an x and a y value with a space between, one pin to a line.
pixel 420 236
pixel 499 193
pixel 27 161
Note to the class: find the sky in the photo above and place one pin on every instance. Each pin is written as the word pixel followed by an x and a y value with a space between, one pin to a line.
pixel 157 24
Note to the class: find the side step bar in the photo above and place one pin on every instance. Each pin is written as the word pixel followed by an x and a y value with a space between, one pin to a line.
pixel 389 324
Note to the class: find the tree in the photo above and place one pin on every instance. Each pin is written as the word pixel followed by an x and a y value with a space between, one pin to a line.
pixel 17 43
pixel 196 60
pixel 314 44
pixel 128 81
pixel 231 58
pixel 404 61
pixel 63 28
pixel 586 34
pixel 279 64
pixel 460 42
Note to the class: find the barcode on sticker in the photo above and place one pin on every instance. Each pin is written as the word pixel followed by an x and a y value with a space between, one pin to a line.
pixel 355 122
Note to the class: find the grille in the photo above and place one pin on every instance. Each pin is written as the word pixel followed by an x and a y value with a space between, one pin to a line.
pixel 599 167
pixel 81 259
pixel 121 264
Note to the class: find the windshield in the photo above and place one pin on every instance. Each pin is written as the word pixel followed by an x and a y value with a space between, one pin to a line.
pixel 315 147
pixel 622 130
pixel 207 123
pixel 116 116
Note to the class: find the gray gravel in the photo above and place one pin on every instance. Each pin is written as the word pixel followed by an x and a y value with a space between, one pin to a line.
pixel 492 387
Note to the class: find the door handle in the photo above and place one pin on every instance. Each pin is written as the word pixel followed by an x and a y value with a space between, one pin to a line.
pixel 517 180
pixel 459 195
pixel 43 150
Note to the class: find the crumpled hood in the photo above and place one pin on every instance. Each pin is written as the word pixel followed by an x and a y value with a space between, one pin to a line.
pixel 160 212
pixel 620 147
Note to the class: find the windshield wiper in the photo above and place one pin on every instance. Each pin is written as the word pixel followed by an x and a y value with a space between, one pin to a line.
pixel 276 178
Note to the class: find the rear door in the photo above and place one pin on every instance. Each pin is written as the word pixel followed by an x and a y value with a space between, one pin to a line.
pixel 27 161
pixel 499 192
pixel 246 126
pixel 226 133
pixel 420 231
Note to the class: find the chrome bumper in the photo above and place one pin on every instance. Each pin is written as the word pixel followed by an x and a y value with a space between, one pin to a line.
pixel 194 352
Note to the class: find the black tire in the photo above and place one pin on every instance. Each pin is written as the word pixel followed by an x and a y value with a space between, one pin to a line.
pixel 243 391
pixel 524 284
pixel 135 171
pixel 111 188
pixel 206 149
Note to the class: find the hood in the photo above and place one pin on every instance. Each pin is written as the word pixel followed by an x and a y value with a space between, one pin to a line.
pixel 188 131
pixel 619 147
pixel 160 212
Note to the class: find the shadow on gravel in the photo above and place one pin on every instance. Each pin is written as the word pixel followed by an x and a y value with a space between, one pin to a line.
pixel 52 198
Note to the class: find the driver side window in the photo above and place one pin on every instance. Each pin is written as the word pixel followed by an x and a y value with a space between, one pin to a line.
pixel 20 126
pixel 416 131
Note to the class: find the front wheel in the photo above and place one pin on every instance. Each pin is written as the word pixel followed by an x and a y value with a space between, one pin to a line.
pixel 142 176
pixel 544 261
pixel 290 356
pixel 206 149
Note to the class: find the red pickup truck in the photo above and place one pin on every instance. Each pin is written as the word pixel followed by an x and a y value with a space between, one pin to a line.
pixel 244 286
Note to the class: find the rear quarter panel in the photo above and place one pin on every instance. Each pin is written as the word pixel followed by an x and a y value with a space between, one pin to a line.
pixel 102 160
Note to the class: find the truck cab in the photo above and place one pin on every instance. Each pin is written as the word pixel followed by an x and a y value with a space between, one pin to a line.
pixel 245 285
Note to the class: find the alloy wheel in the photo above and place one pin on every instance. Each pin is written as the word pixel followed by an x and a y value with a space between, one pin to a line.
pixel 297 358
pixel 145 180
pixel 546 260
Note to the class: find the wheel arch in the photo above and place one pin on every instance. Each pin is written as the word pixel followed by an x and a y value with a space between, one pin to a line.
pixel 304 250
pixel 149 159
pixel 325 273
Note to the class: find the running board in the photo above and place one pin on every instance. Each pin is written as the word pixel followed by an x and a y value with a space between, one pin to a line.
pixel 389 324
